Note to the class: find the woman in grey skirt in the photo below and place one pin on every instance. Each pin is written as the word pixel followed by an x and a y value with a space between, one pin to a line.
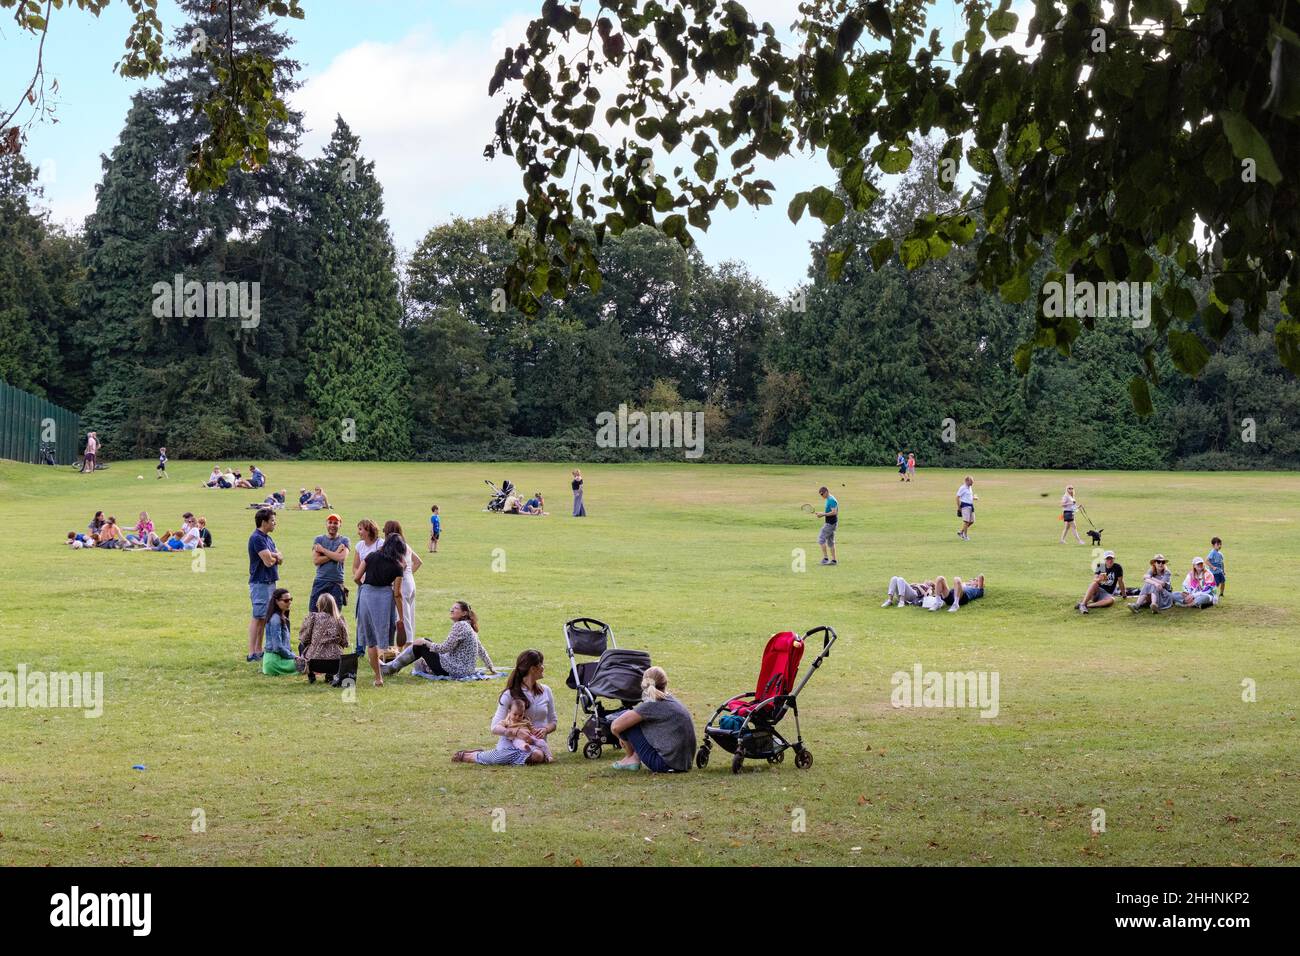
pixel 1156 590
pixel 380 578
pixel 579 510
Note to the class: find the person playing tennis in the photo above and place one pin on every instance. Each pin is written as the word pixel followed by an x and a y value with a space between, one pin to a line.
pixel 831 518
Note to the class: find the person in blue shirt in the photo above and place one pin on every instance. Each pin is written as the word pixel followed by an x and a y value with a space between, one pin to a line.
pixel 162 463
pixel 264 561
pixel 435 530
pixel 279 658
pixel 831 517
pixel 256 478
pixel 1215 561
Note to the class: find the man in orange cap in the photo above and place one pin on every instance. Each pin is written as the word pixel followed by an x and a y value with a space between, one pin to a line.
pixel 329 552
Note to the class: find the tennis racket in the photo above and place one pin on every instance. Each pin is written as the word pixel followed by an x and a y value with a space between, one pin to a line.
pixel 806 508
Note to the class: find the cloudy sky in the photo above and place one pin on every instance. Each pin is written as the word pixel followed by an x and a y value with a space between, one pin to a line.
pixel 410 77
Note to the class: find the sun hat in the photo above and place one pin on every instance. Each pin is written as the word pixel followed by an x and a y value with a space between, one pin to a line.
pixel 1158 557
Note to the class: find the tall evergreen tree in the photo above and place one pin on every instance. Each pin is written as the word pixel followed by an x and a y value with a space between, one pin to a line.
pixel 357 383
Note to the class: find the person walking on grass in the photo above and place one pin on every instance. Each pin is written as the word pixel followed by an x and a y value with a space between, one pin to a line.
pixel 162 463
pixel 329 552
pixel 1068 506
pixel 1105 587
pixel 966 499
pixel 264 561
pixel 831 519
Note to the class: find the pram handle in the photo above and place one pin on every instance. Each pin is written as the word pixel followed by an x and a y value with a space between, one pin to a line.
pixel 829 637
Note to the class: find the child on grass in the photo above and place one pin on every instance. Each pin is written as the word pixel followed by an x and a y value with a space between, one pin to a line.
pixel 1215 560
pixel 435 530
pixel 516 721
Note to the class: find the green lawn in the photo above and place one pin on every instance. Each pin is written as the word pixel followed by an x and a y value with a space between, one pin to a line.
pixel 1141 717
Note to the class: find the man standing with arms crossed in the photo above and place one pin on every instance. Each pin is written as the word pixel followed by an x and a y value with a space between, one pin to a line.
pixel 264 562
pixel 966 499
pixel 329 552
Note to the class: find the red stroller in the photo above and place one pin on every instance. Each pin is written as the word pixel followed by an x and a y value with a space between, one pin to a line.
pixel 745 726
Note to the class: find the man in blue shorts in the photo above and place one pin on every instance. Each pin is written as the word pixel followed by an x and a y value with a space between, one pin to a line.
pixel 263 571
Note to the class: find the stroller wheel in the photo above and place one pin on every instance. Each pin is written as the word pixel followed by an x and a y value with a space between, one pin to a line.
pixel 803 759
pixel 592 750
pixel 702 758
pixel 573 740
pixel 737 762
pixel 776 758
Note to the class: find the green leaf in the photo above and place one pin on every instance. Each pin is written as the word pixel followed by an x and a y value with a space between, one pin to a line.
pixel 1022 357
pixel 1016 289
pixel 896 160
pixel 797 205
pixel 1140 395
pixel 835 264
pixel 1248 143
pixel 881 252
pixel 878 17
pixel 706 167
pixel 1002 23
pixel 1188 352
pixel 913 252
pixel 1286 334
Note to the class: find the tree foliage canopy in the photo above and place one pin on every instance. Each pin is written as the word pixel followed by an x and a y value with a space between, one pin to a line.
pixel 1157 144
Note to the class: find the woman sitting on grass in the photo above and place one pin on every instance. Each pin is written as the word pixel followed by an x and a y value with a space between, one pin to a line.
pixel 110 535
pixel 658 732
pixel 1156 590
pixel 322 637
pixel 139 537
pixel 457 656
pixel 277 657
pixel 519 742
pixel 1198 587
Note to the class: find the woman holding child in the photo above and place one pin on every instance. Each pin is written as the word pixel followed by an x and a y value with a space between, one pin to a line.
pixel 525 717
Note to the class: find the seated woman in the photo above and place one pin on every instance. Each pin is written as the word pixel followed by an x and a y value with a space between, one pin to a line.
pixel 214 479
pixel 227 479
pixel 658 732
pixel 524 687
pixel 277 656
pixel 457 656
pixel 322 637
pixel 512 505
pixel 959 593
pixel 96 523
pixel 1198 587
pixel 1156 590
pixel 534 505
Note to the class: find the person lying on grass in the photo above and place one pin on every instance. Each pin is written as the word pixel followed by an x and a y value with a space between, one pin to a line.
pixel 277 655
pixel 534 506
pixel 1105 587
pixel 274 500
pixel 657 733
pixel 524 685
pixel 910 595
pixel 960 593
pixel 76 540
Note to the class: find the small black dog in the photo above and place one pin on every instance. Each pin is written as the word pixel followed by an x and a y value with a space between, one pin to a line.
pixel 1096 536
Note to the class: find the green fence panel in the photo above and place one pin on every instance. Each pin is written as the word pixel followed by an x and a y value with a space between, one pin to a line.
pixel 27 423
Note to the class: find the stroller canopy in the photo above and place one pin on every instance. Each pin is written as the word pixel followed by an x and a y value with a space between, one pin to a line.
pixel 781 660
pixel 618 674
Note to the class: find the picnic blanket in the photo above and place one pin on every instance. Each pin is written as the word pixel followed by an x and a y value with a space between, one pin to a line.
pixel 477 675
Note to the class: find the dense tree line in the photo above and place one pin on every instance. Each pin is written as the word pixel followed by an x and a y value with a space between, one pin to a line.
pixel 355 355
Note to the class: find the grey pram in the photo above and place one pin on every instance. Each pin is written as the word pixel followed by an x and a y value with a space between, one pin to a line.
pixel 616 675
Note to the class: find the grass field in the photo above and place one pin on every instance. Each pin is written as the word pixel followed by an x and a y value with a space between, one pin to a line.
pixel 1140 717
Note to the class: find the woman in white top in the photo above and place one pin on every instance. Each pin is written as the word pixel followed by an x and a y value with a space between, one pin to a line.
pixel 368 542
pixel 1068 506
pixel 411 564
pixel 523 685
